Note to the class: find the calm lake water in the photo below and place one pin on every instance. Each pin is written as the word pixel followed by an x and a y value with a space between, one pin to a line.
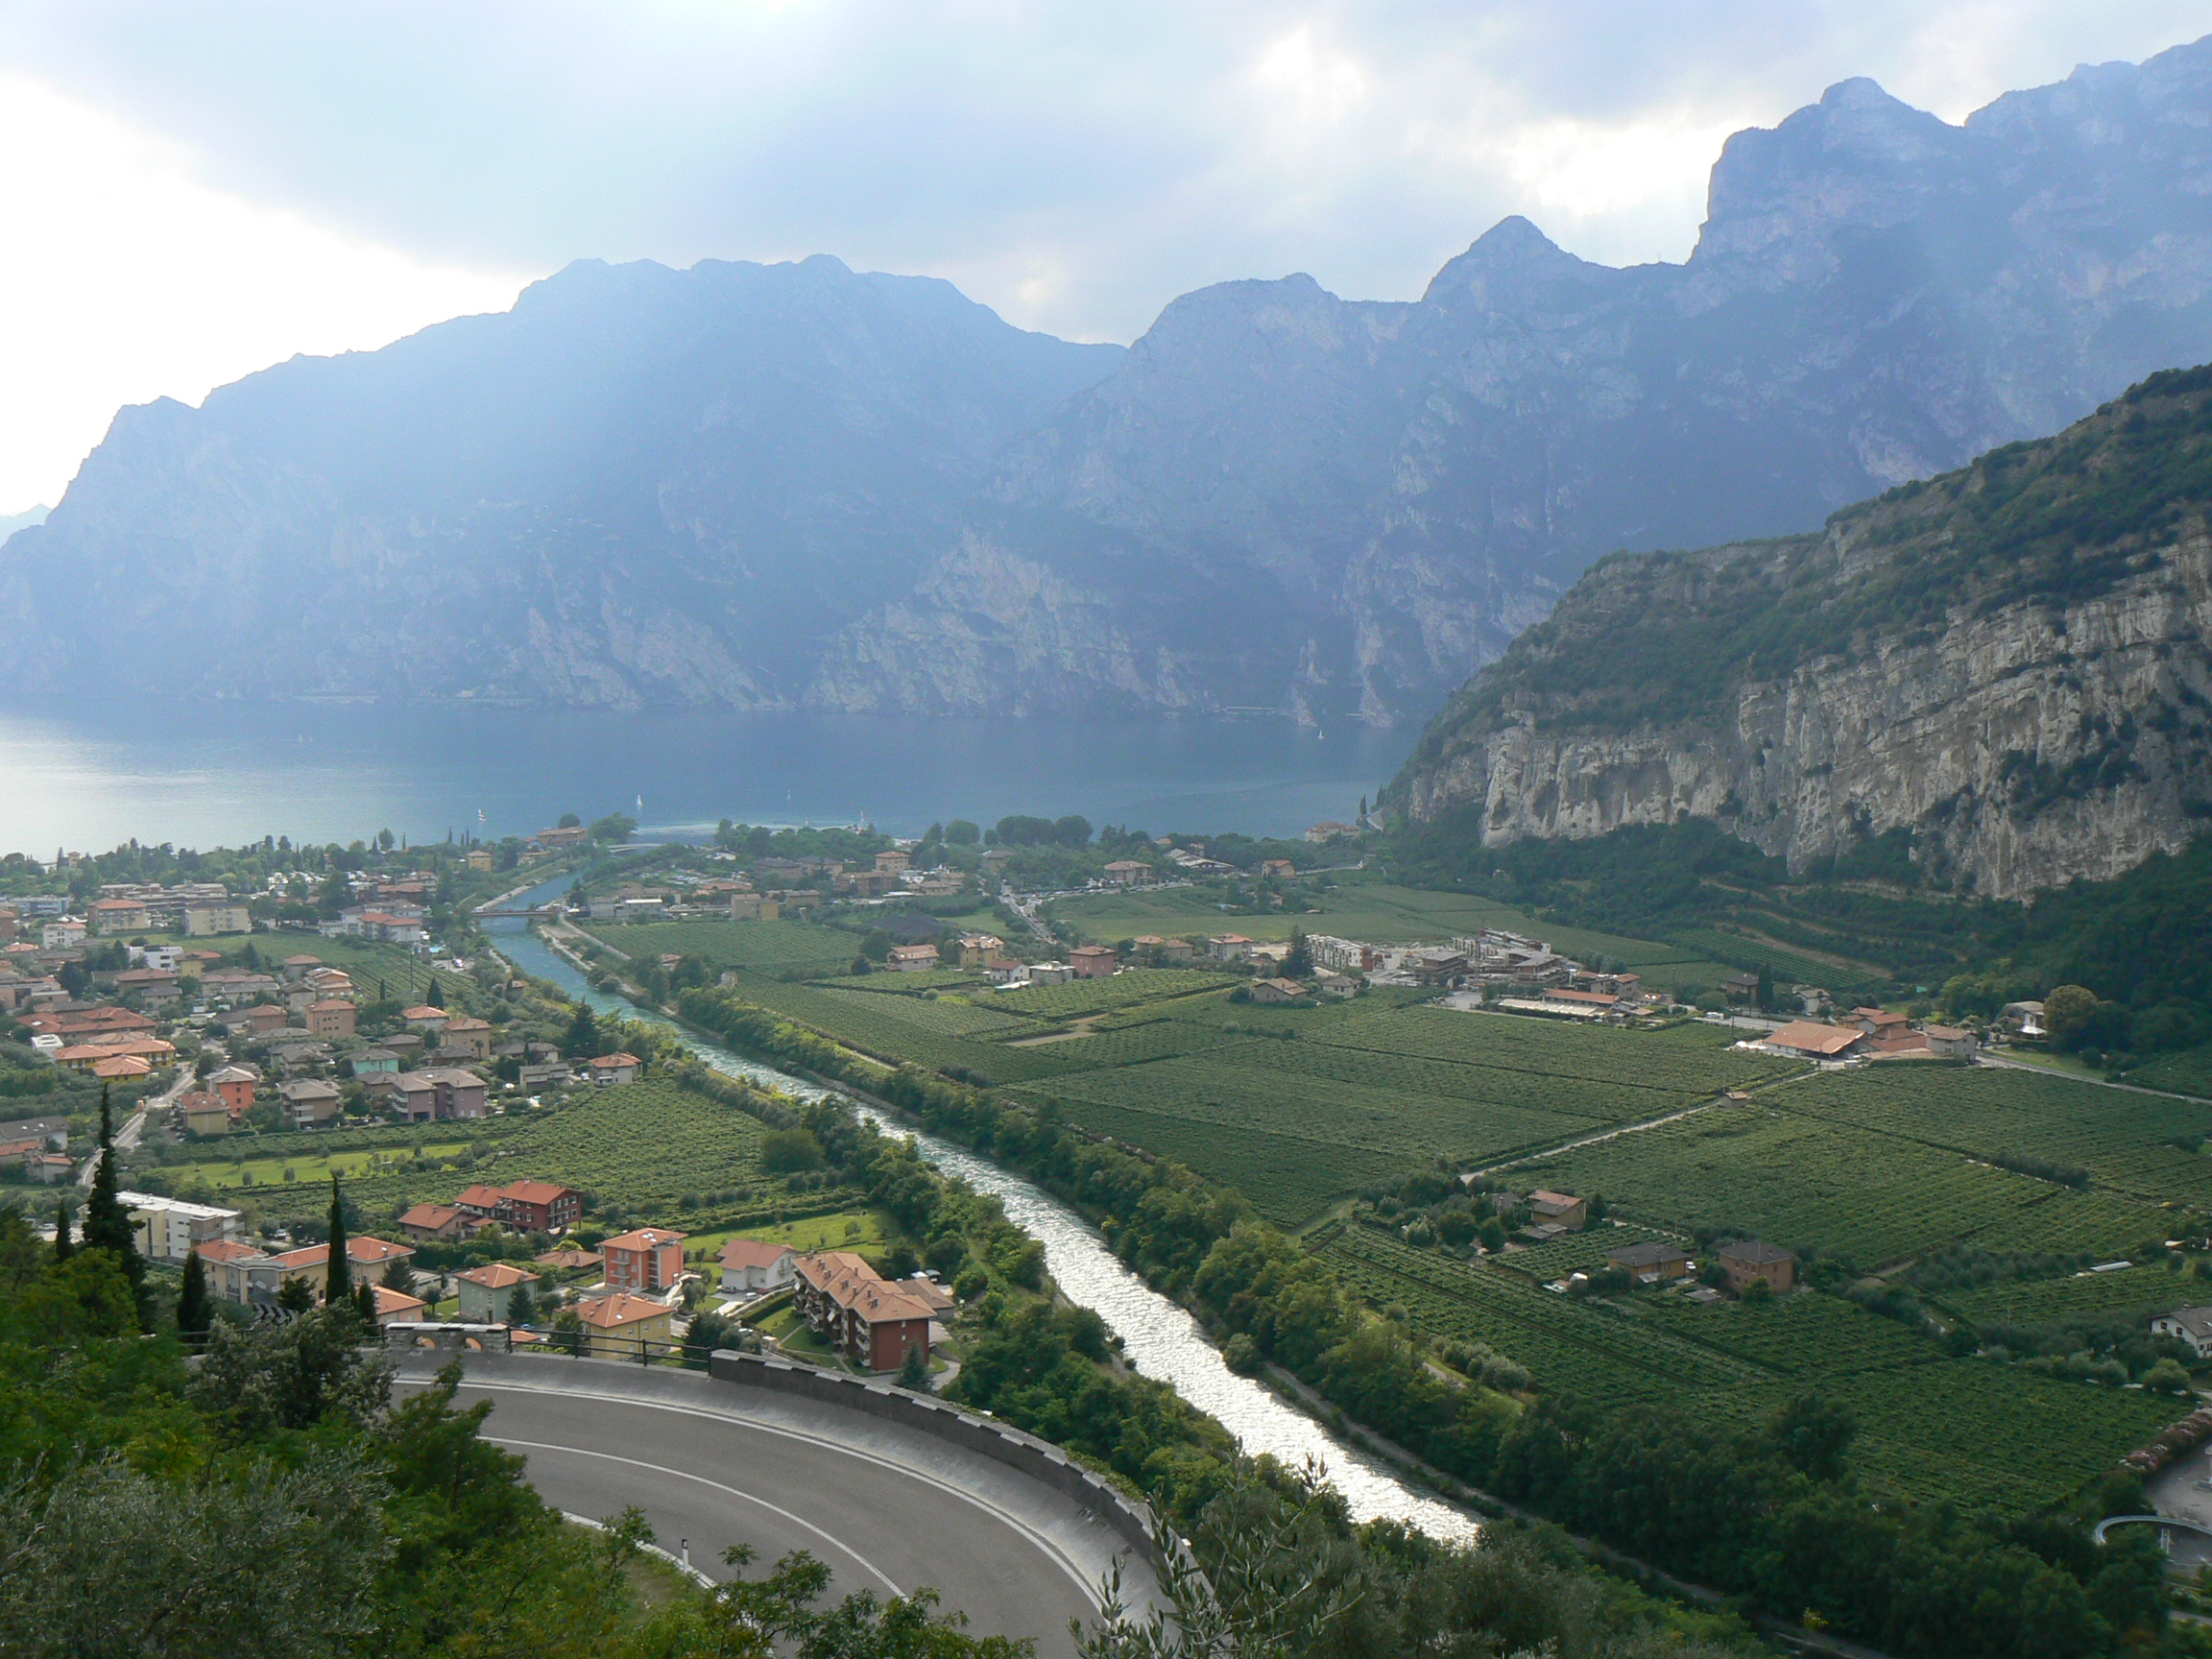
pixel 210 775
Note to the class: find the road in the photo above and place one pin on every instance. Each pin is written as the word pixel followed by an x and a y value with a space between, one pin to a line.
pixel 711 1464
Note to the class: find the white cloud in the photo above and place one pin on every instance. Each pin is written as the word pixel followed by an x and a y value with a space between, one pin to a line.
pixel 127 280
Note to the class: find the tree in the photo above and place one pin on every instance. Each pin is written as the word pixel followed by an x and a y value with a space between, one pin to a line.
pixel 364 1306
pixel 877 945
pixel 1811 1435
pixel 960 832
pixel 338 1275
pixel 108 1225
pixel 295 1296
pixel 1072 831
pixel 435 996
pixel 400 1277
pixel 568 821
pixel 914 1370
pixel 1764 995
pixel 1299 963
pixel 64 1249
pixel 2067 1012
pixel 193 1312
pixel 614 828
pixel 581 1042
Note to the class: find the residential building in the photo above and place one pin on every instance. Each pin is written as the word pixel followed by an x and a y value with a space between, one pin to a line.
pixel 308 1101
pixel 331 1019
pixel 436 1224
pixel 623 1326
pixel 426 1018
pixel 2191 1327
pixel 1276 990
pixel 1878 1021
pixel 465 1031
pixel 203 1113
pixel 1748 1259
pixel 981 950
pixel 369 1259
pixel 397 1307
pixel 240 1272
pixel 169 1229
pixel 912 958
pixel 1338 985
pixel 459 1094
pixel 894 862
pixel 649 1259
pixel 2022 1019
pixel 621 1067
pixel 569 836
pixel 375 1063
pixel 1094 961
pixel 48 1168
pixel 1007 974
pixel 410 1097
pixel 752 1265
pixel 1341 955
pixel 1228 946
pixel 151 987
pixel 122 1069
pixel 61 935
pixel 543 1077
pixel 207 921
pixel 1560 1209
pixel 51 1132
pixel 539 1206
pixel 869 1319
pixel 1050 974
pixel 480 1201
pixel 487 1291
pixel 1172 952
pixel 234 1086
pixel 753 907
pixel 1652 1261
pixel 1129 873
pixel 1805 1040
pixel 1948 1042
pixel 1277 869
pixel 1330 831
pixel 106 917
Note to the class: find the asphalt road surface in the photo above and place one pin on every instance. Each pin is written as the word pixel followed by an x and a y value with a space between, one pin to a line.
pixel 987 1540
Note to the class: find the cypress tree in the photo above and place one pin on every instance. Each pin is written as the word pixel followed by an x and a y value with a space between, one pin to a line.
pixel 193 1313
pixel 338 1275
pixel 64 1249
pixel 1765 992
pixel 436 996
pixel 107 1223
pixel 365 1305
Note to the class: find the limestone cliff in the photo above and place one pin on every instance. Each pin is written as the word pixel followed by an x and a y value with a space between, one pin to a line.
pixel 2009 666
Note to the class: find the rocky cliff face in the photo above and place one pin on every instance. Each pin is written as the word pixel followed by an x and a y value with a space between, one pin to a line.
pixel 797 485
pixel 2010 668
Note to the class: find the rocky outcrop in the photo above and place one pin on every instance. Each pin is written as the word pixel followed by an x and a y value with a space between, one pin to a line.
pixel 2039 709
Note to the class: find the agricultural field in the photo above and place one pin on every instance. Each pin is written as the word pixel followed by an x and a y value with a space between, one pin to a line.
pixel 1080 997
pixel 1935 1427
pixel 2035 1302
pixel 2187 1073
pixel 2144 1145
pixel 1359 906
pixel 1795 1180
pixel 780 946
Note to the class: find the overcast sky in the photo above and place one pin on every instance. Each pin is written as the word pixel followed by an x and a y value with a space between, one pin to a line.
pixel 190 192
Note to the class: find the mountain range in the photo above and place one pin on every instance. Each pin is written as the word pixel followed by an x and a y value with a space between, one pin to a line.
pixel 773 486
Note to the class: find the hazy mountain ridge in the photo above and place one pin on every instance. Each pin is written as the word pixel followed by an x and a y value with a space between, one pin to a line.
pixel 768 487
pixel 2008 667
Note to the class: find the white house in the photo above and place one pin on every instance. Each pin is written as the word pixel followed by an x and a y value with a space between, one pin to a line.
pixel 2191 1327
pixel 750 1265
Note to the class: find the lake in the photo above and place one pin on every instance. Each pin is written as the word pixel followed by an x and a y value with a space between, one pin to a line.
pixel 205 775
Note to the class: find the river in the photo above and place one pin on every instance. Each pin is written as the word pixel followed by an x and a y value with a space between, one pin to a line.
pixel 1158 1337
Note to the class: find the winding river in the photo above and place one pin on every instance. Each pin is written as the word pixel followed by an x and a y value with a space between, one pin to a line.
pixel 1159 1337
